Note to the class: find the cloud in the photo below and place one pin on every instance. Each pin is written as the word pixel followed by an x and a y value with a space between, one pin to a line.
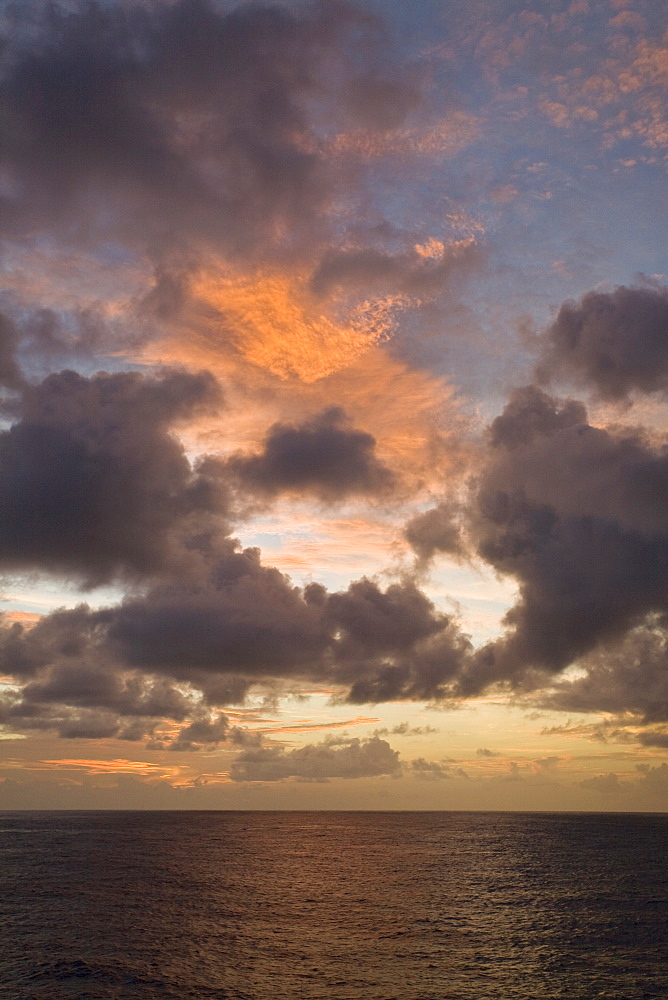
pixel 607 79
pixel 577 515
pixel 80 685
pixel 318 762
pixel 405 729
pixel 431 770
pixel 394 644
pixel 221 631
pixel 76 700
pixel 275 323
pixel 181 123
pixel 653 738
pixel 605 784
pixel 93 482
pixel 201 731
pixel 419 272
pixel 574 513
pixel 436 530
pixel 614 343
pixel 485 752
pixel 10 374
pixel 529 414
pixel 322 456
pixel 237 617
pixel 654 780
pixel 629 676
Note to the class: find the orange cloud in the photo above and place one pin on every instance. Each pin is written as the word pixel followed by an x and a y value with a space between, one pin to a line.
pixel 303 727
pixel 280 327
pixel 446 137
pixel 25 618
pixel 416 418
pixel 118 766
pixel 277 325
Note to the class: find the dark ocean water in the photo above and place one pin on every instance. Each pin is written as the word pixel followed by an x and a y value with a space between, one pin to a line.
pixel 342 906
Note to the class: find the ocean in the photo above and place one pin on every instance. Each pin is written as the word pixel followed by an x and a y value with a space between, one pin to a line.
pixel 333 906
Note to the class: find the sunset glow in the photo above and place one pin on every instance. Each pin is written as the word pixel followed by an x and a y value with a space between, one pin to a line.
pixel 334 369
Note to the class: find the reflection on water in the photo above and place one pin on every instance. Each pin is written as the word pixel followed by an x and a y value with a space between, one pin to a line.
pixel 343 906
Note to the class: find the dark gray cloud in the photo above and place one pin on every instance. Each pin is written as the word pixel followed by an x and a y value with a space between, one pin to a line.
pixel 630 676
pixel 93 483
pixel 204 731
pixel 10 373
pixel 654 738
pixel 96 487
pixel 61 635
pixel 77 700
pixel 238 617
pixel 234 625
pixel 354 758
pixel 436 530
pixel 612 342
pixel 393 644
pixel 578 516
pixel 208 731
pixel 530 413
pixel 323 456
pixel 79 685
pixel 73 723
pixel 181 123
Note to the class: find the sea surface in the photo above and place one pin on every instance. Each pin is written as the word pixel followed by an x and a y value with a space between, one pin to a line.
pixel 333 906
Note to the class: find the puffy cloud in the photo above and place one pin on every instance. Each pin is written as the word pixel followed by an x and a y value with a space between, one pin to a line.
pixel 531 413
pixel 605 784
pixel 393 644
pixel 93 482
pixel 654 780
pixel 322 456
pixel 75 699
pixel 630 676
pixel 318 762
pixel 235 625
pixel 26 648
pixel 577 515
pixel 612 342
pixel 208 730
pixel 430 770
pixel 78 684
pixel 238 618
pixel 574 513
pixel 436 530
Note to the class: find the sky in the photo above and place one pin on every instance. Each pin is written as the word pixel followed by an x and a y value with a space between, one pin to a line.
pixel 333 385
